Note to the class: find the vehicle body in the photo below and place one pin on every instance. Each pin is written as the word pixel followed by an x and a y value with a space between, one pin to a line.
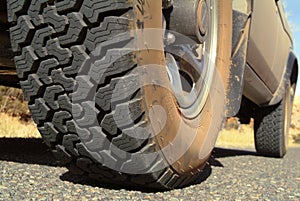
pixel 260 78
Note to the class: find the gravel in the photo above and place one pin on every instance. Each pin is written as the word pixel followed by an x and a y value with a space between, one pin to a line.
pixel 29 172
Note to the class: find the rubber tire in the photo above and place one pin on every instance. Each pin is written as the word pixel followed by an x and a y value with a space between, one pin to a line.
pixel 271 126
pixel 52 40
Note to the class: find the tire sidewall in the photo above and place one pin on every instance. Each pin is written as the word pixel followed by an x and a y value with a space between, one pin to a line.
pixel 191 141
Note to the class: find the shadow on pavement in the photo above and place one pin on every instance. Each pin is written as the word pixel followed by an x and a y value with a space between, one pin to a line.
pixel 34 151
pixel 224 152
pixel 29 150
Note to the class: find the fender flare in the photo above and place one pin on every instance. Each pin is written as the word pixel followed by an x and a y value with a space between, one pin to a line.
pixel 290 75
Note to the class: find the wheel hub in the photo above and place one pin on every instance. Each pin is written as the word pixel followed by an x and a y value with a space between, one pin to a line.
pixel 190 18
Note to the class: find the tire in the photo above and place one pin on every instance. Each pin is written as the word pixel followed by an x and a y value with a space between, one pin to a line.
pixel 86 115
pixel 271 127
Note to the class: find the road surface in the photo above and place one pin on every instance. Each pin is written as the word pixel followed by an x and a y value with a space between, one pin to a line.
pixel 28 171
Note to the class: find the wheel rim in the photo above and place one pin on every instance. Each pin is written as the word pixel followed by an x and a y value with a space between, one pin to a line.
pixel 192 82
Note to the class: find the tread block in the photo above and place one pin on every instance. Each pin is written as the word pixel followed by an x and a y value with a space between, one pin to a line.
pixel 79 59
pixel 124 115
pixel 119 153
pixel 35 10
pixel 44 71
pixel 136 163
pixel 59 119
pixel 85 152
pixel 63 55
pixel 69 141
pixel 49 133
pixel 62 155
pixel 31 87
pixel 13 7
pixel 115 62
pixel 39 110
pixel 75 29
pixel 166 176
pixel 59 77
pixel 51 17
pixel 108 29
pixel 132 138
pixel 66 5
pixel 26 62
pixel 118 89
pixel 174 179
pixel 83 133
pixel 91 9
pixel 90 114
pixel 21 32
pixel 108 160
pixel 98 141
pixel 39 39
pixel 66 104
pixel 51 94
pixel 83 89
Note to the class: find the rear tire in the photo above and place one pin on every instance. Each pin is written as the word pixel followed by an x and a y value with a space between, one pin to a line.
pixel 53 40
pixel 271 127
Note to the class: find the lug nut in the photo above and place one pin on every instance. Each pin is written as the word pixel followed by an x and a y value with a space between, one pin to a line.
pixel 170 38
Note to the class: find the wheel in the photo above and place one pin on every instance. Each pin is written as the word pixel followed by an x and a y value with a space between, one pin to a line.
pixel 271 126
pixel 103 99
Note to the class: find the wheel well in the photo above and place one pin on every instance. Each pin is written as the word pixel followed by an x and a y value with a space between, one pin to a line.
pixel 3 13
pixel 8 74
pixel 294 75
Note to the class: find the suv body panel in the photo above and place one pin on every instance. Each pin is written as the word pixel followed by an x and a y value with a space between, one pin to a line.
pixel 268 52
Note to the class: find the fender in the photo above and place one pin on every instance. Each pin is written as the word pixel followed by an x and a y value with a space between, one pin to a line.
pixel 290 75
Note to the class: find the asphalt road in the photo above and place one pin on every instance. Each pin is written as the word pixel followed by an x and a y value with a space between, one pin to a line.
pixel 29 172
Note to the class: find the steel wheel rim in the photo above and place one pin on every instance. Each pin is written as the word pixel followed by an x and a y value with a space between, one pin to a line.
pixel 191 104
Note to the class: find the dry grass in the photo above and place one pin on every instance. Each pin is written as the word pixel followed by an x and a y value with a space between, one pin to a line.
pixel 12 103
pixel 236 138
pixel 243 138
pixel 15 118
pixel 12 127
pixel 295 124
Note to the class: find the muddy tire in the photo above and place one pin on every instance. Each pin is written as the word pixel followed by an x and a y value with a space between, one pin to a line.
pixel 99 120
pixel 271 127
